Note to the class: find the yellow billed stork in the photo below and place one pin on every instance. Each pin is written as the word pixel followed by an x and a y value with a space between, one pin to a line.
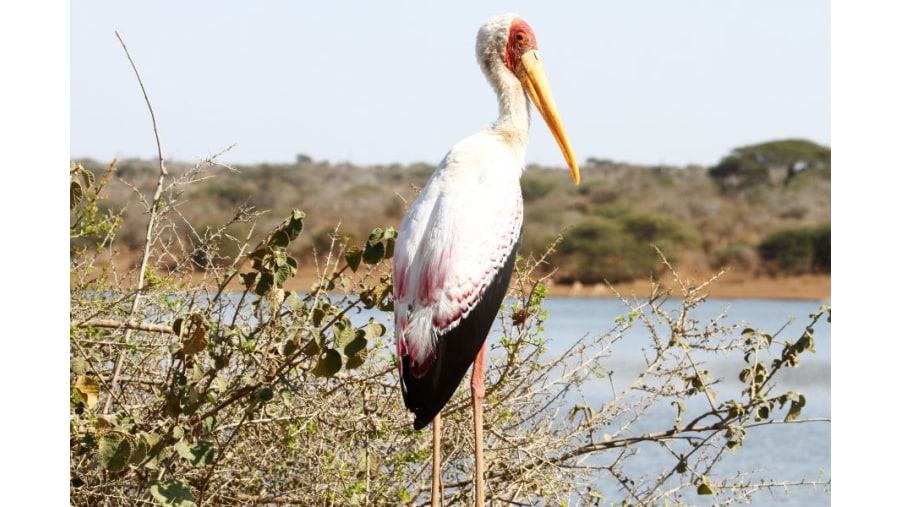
pixel 457 245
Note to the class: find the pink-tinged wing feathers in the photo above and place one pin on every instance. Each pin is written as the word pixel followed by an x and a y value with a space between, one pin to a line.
pixel 456 237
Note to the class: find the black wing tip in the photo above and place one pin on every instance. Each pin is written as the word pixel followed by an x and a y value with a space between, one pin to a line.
pixel 424 414
pixel 417 397
pixel 421 422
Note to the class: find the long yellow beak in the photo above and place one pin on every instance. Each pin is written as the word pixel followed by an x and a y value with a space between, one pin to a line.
pixel 531 74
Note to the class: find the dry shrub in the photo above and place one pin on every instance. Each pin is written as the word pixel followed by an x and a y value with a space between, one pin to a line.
pixel 184 392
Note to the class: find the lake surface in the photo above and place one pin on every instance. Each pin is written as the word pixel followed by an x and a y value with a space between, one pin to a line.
pixel 783 452
pixel 779 452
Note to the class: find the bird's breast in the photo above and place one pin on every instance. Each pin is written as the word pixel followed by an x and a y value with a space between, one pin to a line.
pixel 454 241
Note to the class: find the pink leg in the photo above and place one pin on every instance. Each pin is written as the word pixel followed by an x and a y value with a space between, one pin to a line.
pixel 477 399
pixel 436 461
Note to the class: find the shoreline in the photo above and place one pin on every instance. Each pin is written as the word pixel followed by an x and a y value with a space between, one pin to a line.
pixel 726 286
pixel 729 285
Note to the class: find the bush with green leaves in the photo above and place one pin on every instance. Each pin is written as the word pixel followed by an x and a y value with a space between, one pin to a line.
pixel 617 245
pixel 170 374
pixel 798 251
pixel 229 388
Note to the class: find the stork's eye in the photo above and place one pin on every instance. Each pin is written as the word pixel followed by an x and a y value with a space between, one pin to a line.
pixel 521 38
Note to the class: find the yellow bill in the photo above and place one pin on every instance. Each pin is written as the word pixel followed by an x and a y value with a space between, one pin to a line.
pixel 531 73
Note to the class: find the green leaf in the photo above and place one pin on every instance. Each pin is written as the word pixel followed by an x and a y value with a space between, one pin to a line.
pixel 343 333
pixel 311 348
pixel 283 273
pixel 114 451
pixel 374 330
pixel 265 284
pixel 76 194
pixel 357 360
pixel 279 239
pixel 329 364
pixel 389 248
pixel 377 295
pixel 174 493
pixel 280 257
pixel 210 423
pixel 248 280
pixel 197 338
pixel 357 344
pixel 261 258
pixel 735 436
pixel 265 394
pixel 375 237
pixel 294 225
pixel 353 257
pixel 287 397
pixel 706 487
pixel 290 347
pixel 373 253
pixel 199 454
pixel 318 314
pixel 78 366
pixel 86 176
pixel 139 453
pixel 176 325
pixel 796 406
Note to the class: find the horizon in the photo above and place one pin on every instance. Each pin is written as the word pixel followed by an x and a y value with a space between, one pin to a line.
pixel 584 164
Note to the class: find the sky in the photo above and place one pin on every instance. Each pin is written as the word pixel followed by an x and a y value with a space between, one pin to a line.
pixel 650 82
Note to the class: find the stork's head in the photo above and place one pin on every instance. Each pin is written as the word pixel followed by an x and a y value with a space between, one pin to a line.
pixel 507 44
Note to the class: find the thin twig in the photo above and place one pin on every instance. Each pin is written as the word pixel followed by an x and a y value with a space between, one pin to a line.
pixel 148 239
pixel 130 325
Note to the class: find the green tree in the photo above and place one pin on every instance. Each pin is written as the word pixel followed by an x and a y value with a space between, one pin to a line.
pixel 752 166
pixel 617 245
pixel 798 251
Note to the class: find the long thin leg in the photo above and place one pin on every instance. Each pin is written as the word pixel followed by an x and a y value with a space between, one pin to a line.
pixel 436 461
pixel 477 399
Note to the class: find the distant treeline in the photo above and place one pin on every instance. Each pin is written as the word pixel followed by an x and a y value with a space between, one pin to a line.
pixel 763 208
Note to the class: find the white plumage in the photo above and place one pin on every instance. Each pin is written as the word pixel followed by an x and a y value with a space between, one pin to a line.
pixel 456 248
pixel 455 239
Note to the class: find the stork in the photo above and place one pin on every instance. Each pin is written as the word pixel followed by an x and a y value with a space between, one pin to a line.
pixel 457 245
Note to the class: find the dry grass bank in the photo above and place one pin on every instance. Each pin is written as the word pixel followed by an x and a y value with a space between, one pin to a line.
pixel 728 286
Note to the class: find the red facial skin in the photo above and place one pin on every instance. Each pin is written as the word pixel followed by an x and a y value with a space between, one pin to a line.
pixel 521 40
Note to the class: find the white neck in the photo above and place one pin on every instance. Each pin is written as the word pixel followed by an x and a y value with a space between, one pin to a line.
pixel 490 49
pixel 514 117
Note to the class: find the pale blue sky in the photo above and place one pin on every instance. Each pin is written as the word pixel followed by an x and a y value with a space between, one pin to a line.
pixel 375 83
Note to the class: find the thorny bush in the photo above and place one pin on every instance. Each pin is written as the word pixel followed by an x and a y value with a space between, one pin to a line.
pixel 223 387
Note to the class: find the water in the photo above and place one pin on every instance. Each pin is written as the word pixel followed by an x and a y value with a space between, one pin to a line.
pixel 780 453
pixel 784 452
